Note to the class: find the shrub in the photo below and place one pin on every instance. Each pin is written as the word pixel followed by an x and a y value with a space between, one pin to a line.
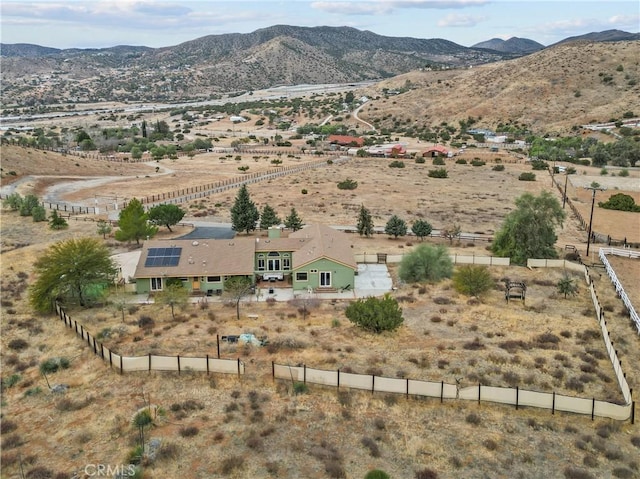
pixel 461 161
pixel 396 164
pixel 438 161
pixel 40 472
pixel 189 431
pixel 527 176
pixel 476 162
pixel 620 202
pixel 376 474
pixel 472 280
pixel 304 191
pixel 426 474
pixel 11 380
pixel 539 165
pixel 300 388
pixel 18 344
pixel 498 168
pixel 635 440
pixel 146 322
pixel 438 173
pixel 621 472
pixel 11 441
pixel 347 184
pixel 426 263
pixel 420 160
pixel 576 473
pixel 370 444
pixel 52 365
pixel 473 418
pixel 7 426
pixel 375 314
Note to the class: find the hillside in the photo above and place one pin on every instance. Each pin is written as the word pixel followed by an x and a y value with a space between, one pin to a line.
pixel 554 89
pixel 512 45
pixel 220 63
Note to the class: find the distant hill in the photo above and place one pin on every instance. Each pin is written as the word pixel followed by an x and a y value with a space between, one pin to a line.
pixel 605 36
pixel 218 64
pixel 554 89
pixel 512 45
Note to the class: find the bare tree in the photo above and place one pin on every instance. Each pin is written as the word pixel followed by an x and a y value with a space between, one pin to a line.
pixel 304 304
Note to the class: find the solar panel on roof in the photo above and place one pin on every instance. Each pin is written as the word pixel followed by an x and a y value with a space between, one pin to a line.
pixel 163 256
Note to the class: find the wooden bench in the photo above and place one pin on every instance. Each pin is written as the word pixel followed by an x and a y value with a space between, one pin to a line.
pixel 252 316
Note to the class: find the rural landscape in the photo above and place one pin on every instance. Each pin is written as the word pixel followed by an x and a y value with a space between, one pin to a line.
pixel 459 174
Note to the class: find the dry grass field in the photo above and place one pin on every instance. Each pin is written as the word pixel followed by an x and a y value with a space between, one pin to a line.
pixel 225 426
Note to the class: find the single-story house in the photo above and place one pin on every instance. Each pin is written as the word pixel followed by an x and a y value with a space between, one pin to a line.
pixel 345 140
pixel 435 151
pixel 393 150
pixel 316 257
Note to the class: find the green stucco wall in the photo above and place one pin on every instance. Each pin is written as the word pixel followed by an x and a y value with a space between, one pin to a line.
pixel 341 276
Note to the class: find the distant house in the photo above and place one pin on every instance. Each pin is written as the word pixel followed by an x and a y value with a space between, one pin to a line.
pixel 387 150
pixel 345 140
pixel 316 257
pixel 435 151
pixel 237 119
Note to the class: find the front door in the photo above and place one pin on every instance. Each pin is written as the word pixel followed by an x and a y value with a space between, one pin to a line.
pixel 195 285
pixel 325 279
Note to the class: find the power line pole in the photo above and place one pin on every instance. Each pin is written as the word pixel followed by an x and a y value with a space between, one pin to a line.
pixel 593 202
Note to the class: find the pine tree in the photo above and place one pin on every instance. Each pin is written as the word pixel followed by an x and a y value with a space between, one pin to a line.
pixel 293 221
pixel 365 223
pixel 57 222
pixel 244 213
pixel 421 229
pixel 396 227
pixel 268 217
pixel 133 223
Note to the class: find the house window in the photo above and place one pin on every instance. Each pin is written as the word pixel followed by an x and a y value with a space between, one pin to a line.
pixel 273 264
pixel 260 264
pixel 156 284
pixel 213 279
pixel 286 264
pixel 302 276
pixel 184 280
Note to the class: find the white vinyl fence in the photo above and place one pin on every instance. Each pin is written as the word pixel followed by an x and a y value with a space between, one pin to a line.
pixel 627 253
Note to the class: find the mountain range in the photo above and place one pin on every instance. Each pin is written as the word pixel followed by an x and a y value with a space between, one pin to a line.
pixel 216 64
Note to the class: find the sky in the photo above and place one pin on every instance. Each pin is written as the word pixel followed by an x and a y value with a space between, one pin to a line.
pixel 159 23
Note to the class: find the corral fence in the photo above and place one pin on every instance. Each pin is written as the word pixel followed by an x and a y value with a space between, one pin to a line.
pixel 370 258
pixel 188 194
pixel 152 362
pixel 505 395
pixel 616 283
pixel 595 236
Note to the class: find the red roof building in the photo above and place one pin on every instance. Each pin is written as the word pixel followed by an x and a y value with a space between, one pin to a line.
pixel 435 151
pixel 346 140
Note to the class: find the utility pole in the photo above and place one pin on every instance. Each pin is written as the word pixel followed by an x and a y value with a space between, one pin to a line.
pixel 593 189
pixel 564 197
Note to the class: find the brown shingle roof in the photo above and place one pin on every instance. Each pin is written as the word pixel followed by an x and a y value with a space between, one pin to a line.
pixel 325 242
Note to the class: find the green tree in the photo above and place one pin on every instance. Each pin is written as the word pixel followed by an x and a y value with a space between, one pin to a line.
pixel 104 228
pixel 620 202
pixel 244 213
pixel 27 205
pixel 13 201
pixel 268 217
pixel 38 213
pixel 376 474
pixel 70 270
pixel 133 223
pixel 426 263
pixel 349 97
pixel 144 128
pixel 235 288
pixel 293 221
pixel 396 226
pixel 529 230
pixel 365 222
pixel 452 232
pixel 166 215
pixel 472 280
pixel 57 222
pixel 136 153
pixel 421 229
pixel 172 295
pixel 142 420
pixel 376 314
pixel 567 286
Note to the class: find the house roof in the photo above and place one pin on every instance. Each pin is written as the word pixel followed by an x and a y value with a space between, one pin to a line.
pixel 345 140
pixel 438 148
pixel 236 256
pixel 325 242
pixel 201 258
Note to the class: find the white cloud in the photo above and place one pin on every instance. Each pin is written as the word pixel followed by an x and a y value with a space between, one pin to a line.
pixel 457 20
pixel 384 7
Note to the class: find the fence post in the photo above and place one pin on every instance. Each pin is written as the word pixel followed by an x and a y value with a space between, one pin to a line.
pixel 633 412
pixel 102 350
pixel 121 366
pixel 479 389
pixel 593 408
pixel 218 343
pixel 338 379
pixel 441 391
pixel 178 356
pixel 304 374
pixel 407 388
pixel 149 362
pixel 517 396
pixel 373 383
pixel 238 367
pixel 207 364
pixel 95 349
pixel 273 370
